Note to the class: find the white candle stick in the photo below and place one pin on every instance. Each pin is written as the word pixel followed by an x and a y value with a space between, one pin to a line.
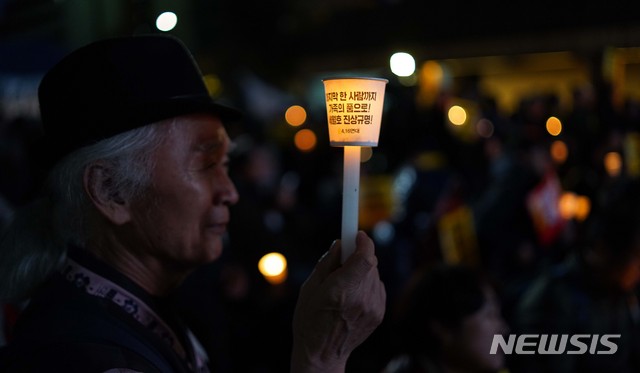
pixel 350 199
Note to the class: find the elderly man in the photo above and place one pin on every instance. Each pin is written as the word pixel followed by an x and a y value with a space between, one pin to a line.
pixel 137 198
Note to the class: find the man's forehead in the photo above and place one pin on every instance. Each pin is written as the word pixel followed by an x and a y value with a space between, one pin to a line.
pixel 218 145
pixel 211 140
pixel 204 131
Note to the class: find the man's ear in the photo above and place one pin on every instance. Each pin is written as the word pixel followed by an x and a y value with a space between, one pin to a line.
pixel 98 184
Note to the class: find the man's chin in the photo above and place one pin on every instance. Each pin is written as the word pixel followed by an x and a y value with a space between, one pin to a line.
pixel 202 255
pixel 212 252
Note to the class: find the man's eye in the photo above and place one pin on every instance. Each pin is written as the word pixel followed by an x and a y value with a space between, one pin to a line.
pixel 223 164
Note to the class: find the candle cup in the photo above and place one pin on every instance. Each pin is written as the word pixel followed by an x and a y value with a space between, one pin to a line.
pixel 354 115
pixel 354 110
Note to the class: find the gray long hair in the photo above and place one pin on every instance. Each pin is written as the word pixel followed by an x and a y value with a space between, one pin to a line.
pixel 35 242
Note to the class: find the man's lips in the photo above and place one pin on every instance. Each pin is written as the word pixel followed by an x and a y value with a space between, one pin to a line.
pixel 217 227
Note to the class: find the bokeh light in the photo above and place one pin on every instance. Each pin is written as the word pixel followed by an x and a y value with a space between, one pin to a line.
pixel 402 64
pixel 567 205
pixel 613 163
pixel 273 266
pixel 457 115
pixel 574 206
pixel 430 78
pixel 213 83
pixel 559 151
pixel 305 140
pixel 384 232
pixel 583 208
pixel 554 126
pixel 432 72
pixel 295 115
pixel 166 21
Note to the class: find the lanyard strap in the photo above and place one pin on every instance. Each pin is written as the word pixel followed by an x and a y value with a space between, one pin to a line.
pixel 98 286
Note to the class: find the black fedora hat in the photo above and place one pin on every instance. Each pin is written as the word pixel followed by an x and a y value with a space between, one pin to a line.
pixel 118 84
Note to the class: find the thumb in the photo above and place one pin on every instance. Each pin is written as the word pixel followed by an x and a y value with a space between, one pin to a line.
pixel 361 261
pixel 326 264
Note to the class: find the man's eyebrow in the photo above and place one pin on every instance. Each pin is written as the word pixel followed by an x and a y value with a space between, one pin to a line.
pixel 210 146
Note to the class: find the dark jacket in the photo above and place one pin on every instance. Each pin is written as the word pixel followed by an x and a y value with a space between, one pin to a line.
pixel 66 328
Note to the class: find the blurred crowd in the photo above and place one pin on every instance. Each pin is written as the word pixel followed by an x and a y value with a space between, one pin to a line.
pixel 511 230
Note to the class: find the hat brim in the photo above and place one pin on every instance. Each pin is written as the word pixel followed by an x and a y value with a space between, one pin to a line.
pixel 151 112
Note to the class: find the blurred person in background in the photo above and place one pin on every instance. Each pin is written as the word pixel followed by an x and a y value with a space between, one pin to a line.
pixel 445 322
pixel 594 291
pixel 137 198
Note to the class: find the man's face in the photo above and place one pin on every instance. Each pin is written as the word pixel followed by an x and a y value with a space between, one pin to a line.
pixel 182 218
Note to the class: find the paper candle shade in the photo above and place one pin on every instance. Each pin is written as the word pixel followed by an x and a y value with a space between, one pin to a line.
pixel 354 110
